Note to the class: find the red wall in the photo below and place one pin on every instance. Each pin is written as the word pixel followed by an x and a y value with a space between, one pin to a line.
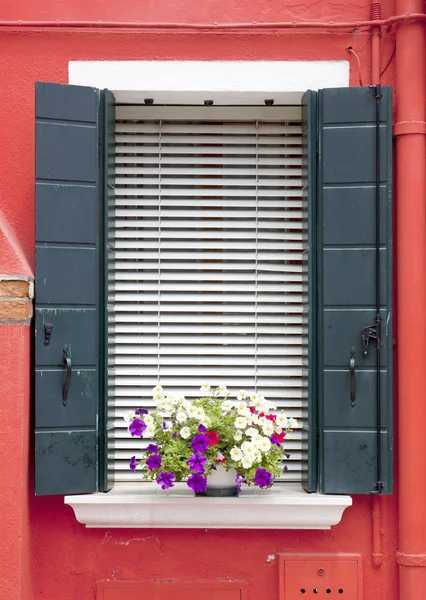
pixel 56 557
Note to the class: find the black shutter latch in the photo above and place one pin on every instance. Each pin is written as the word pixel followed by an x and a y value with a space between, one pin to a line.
pixel 372 332
pixel 48 327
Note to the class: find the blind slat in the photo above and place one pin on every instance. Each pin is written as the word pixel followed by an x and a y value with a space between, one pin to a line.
pixel 285 160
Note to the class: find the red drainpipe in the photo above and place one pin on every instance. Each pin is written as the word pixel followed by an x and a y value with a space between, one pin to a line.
pixel 377 501
pixel 376 15
pixel 410 133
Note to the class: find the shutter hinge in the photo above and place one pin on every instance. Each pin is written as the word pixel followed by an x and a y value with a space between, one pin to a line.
pixel 379 488
pixel 372 332
pixel 377 91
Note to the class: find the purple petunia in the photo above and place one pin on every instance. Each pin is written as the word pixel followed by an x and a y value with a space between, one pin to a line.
pixel 166 480
pixel 137 427
pixel 197 463
pixel 200 443
pixel 141 411
pixel 164 425
pixel 275 441
pixel 263 478
pixel 202 429
pixel 154 461
pixel 197 483
pixel 152 448
pixel 133 464
pixel 238 481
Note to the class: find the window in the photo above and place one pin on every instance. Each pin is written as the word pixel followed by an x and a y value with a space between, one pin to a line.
pixel 341 139
pixel 206 274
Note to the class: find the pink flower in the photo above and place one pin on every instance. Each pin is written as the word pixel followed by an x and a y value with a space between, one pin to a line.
pixel 214 439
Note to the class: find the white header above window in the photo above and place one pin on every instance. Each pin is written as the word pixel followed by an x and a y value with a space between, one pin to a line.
pixel 224 82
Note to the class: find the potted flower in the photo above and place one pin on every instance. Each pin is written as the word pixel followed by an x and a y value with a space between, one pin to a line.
pixel 200 440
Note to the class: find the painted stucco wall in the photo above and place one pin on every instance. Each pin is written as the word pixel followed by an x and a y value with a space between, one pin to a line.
pixel 45 553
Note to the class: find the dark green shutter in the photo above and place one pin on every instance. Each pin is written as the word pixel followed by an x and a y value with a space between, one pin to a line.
pixel 68 194
pixel 348 454
pixel 309 391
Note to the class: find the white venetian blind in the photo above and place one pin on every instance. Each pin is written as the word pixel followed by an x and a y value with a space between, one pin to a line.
pixel 206 261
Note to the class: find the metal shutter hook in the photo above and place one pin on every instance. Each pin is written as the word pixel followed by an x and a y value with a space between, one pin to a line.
pixel 66 361
pixel 352 377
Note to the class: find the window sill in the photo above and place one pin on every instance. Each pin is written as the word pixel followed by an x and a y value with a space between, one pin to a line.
pixel 141 505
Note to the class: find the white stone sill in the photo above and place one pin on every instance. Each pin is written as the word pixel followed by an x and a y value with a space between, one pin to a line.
pixel 145 505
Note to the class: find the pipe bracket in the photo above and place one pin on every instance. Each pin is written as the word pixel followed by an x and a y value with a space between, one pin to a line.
pixel 409 128
pixel 411 560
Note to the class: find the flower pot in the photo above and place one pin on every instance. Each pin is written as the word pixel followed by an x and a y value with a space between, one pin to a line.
pixel 221 482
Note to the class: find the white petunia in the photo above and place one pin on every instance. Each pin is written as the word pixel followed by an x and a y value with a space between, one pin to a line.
pixel 185 432
pixel 200 414
pixel 256 456
pixel 251 432
pixel 158 398
pixel 242 395
pixel 254 398
pixel 238 436
pixel 264 406
pixel 282 420
pixel 205 388
pixel 148 419
pixel 181 417
pixel 149 432
pixel 226 405
pixel 293 423
pixel 243 410
pixel 236 454
pixel 129 415
pixel 248 448
pixel 158 389
pixel 223 390
pixel 192 411
pixel 240 423
pixel 173 399
pixel 268 428
pixel 168 404
pixel 254 419
pixel 246 462
pixel 264 444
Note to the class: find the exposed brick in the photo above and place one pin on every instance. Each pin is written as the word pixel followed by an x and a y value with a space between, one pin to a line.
pixel 15 310
pixel 14 289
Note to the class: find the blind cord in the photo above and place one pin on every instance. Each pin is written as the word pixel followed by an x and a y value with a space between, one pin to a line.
pixel 256 258
pixel 159 256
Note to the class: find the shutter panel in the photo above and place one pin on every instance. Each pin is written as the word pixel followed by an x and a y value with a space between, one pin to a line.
pixel 67 288
pixel 309 399
pixel 347 149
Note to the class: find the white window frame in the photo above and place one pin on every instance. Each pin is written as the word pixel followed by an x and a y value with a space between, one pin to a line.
pixel 285 506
